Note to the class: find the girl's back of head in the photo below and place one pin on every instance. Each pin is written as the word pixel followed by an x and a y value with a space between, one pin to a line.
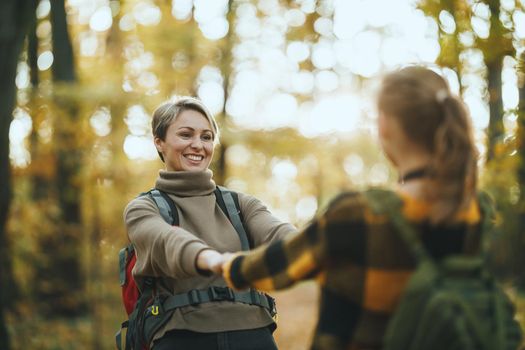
pixel 438 123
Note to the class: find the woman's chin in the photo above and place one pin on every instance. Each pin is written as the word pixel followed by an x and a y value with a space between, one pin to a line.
pixel 188 166
pixel 200 167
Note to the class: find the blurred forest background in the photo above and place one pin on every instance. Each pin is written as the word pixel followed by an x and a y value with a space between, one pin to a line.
pixel 292 83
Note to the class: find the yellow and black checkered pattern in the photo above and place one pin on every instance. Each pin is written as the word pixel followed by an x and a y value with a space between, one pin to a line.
pixel 360 262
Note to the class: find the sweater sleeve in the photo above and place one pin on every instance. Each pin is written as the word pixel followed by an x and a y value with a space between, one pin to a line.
pixel 162 250
pixel 262 226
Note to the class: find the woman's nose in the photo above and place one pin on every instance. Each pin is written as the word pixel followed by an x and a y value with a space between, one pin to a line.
pixel 196 142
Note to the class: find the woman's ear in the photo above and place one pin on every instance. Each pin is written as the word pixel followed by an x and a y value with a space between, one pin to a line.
pixel 158 144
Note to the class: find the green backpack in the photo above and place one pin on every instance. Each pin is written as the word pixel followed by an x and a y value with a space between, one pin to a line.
pixel 454 304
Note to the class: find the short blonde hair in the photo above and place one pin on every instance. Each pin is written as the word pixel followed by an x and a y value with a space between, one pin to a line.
pixel 167 113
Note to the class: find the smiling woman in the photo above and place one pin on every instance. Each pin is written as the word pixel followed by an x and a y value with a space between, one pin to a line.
pixel 205 221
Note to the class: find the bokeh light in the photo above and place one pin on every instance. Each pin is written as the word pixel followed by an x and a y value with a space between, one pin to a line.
pixel 45 60
pixel 100 121
pixel 181 9
pixel 101 19
pixel 146 13
pixel 19 129
pixel 43 9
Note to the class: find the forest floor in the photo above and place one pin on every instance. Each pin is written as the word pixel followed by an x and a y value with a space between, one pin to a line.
pixel 297 317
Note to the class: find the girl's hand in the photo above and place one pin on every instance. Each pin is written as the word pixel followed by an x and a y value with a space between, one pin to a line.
pixel 227 256
pixel 226 267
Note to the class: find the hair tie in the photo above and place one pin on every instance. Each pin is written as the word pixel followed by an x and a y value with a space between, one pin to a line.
pixel 442 95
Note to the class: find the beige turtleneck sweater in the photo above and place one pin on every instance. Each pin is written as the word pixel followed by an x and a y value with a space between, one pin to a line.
pixel 170 252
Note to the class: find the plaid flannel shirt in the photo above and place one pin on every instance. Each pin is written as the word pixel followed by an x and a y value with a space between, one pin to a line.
pixel 358 260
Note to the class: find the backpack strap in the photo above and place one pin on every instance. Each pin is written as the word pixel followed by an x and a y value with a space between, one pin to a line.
pixel 166 206
pixel 123 257
pixel 227 200
pixel 387 202
pixel 168 211
pixel 230 207
pixel 118 336
pixel 486 205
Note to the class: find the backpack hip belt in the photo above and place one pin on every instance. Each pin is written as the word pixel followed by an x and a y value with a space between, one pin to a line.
pixel 215 293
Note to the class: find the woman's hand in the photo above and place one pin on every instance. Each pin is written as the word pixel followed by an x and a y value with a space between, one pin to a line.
pixel 210 260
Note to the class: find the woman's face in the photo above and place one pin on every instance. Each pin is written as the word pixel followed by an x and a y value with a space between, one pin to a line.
pixel 188 144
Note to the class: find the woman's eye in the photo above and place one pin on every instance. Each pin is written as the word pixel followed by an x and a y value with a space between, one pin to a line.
pixel 207 137
pixel 185 135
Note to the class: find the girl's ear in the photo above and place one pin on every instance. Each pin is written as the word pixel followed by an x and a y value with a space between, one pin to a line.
pixel 383 125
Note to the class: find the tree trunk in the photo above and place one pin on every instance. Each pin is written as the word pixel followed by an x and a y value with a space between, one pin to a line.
pixel 521 165
pixel 41 185
pixel 14 21
pixel 67 271
pixel 495 48
pixel 61 278
pixel 220 175
pixel 117 107
pixel 32 52
pixel 495 130
pixel 63 65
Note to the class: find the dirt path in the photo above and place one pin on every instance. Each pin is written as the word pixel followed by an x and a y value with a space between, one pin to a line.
pixel 297 316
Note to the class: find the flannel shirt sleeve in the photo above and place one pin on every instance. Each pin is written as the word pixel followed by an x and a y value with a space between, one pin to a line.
pixel 278 265
pixel 300 256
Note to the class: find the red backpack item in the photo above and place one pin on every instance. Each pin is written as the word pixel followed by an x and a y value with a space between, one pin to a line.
pixel 130 291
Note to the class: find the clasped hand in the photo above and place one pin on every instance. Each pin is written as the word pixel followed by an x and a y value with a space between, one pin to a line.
pixel 212 260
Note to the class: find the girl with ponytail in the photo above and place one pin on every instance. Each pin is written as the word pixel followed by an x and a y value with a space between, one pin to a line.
pixel 356 253
pixel 435 138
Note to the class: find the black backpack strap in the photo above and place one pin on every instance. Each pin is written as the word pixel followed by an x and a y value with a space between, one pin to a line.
pixel 166 206
pixel 226 201
pixel 123 258
pixel 118 336
pixel 168 211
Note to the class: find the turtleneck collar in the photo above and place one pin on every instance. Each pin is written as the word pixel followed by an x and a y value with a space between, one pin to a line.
pixel 186 183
